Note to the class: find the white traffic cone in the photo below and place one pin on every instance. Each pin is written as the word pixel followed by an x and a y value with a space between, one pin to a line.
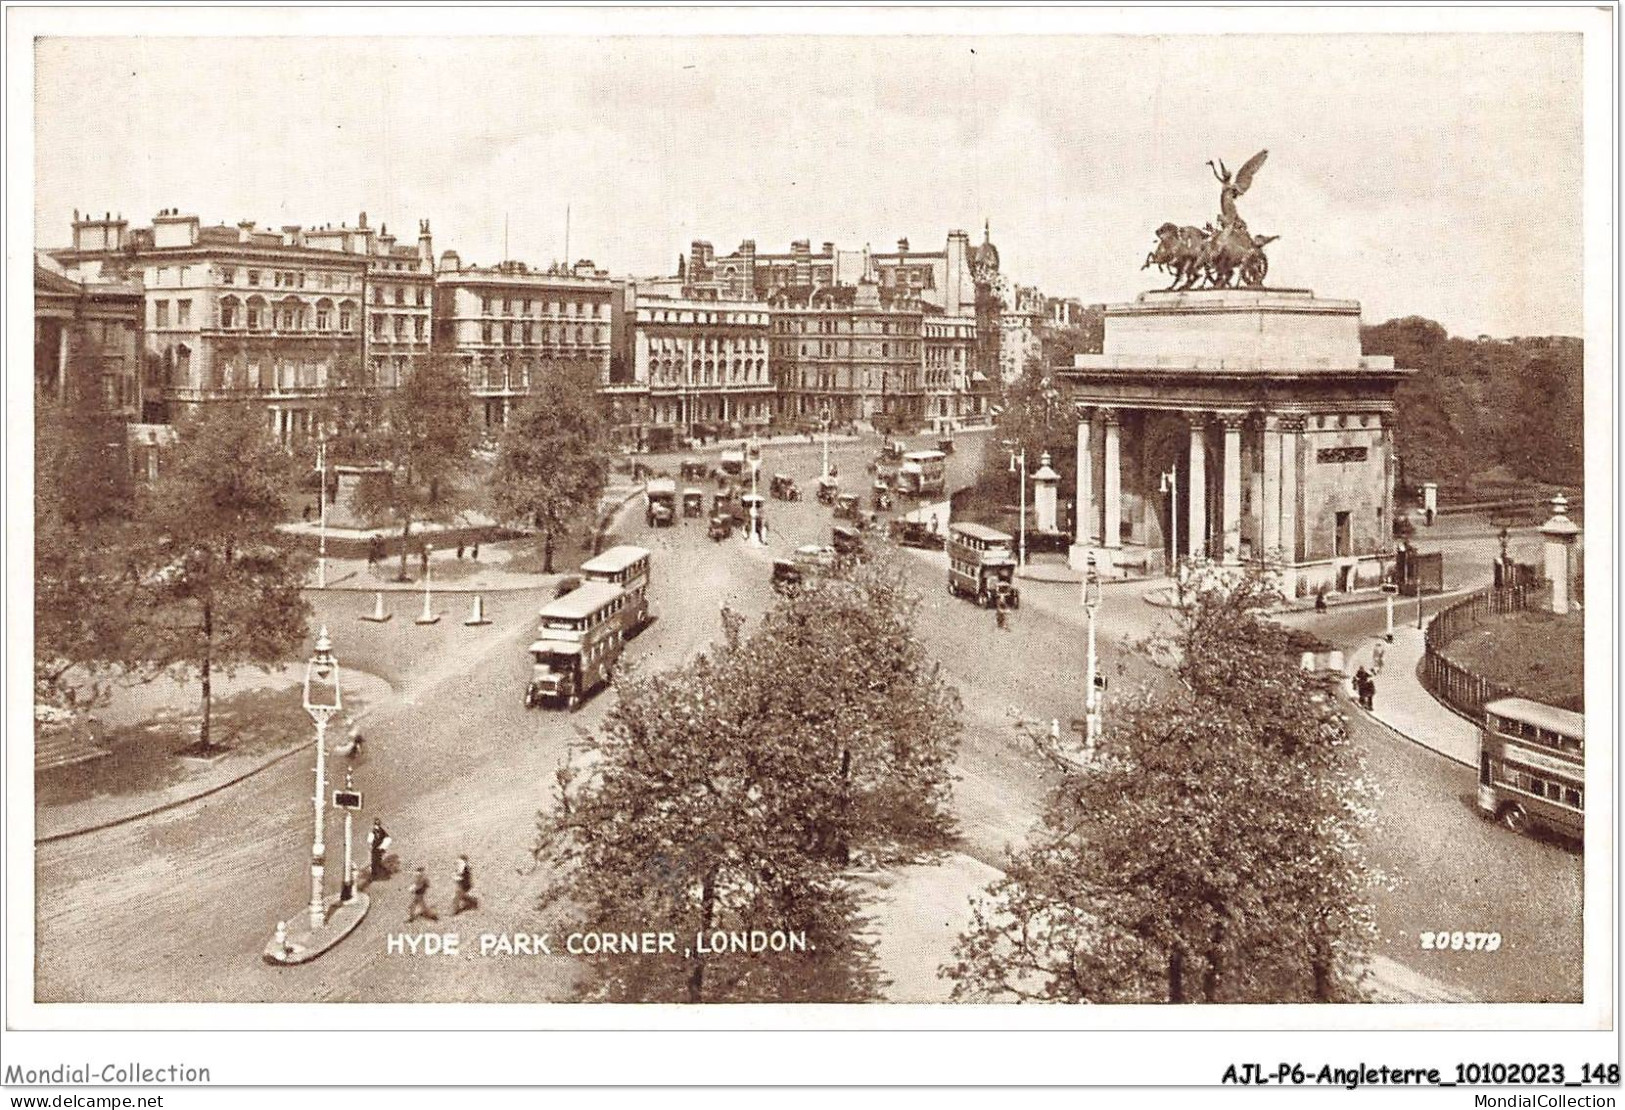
pixel 476 612
pixel 377 616
pixel 428 616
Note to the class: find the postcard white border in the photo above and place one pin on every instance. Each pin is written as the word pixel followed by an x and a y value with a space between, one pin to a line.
pixel 1223 1027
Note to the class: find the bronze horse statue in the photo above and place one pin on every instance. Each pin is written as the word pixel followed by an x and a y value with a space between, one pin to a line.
pixel 1222 259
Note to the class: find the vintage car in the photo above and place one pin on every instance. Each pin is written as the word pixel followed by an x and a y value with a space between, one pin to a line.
pixel 783 488
pixel 916 533
pixel 693 501
pixel 692 469
pixel 846 506
pixel 732 461
pixel 847 542
pixel 828 489
pixel 946 445
pixel 809 561
pixel 661 494
pixel 721 527
pixel 880 497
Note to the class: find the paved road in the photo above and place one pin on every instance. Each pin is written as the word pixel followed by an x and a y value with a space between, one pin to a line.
pixel 178 908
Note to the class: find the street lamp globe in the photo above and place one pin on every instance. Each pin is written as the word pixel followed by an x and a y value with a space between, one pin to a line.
pixel 322 696
pixel 1091 583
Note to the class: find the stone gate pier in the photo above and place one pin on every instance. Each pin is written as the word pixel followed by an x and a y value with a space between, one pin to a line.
pixel 1278 429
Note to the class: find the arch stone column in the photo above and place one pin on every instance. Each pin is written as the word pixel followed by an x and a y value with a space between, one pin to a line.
pixel 1270 524
pixel 1291 430
pixel 1084 517
pixel 1196 492
pixel 1231 519
pixel 1112 496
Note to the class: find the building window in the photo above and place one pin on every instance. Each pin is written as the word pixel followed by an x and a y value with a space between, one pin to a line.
pixel 418 327
pixel 324 319
pixel 228 314
pixel 377 327
pixel 253 277
pixel 228 275
pixel 400 327
pixel 525 310
pixel 160 313
pixel 400 295
pixel 344 319
pixel 485 333
pixel 253 317
pixel 423 297
pixel 183 313
pixel 485 308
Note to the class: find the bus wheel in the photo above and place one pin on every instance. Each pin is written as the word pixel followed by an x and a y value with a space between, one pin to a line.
pixel 1514 818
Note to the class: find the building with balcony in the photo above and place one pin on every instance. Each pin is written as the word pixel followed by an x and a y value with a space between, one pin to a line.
pixel 705 365
pixel 854 353
pixel 232 313
pixel 510 324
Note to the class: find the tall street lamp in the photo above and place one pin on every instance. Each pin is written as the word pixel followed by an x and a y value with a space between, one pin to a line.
pixel 1170 486
pixel 826 441
pixel 321 555
pixel 323 701
pixel 1021 459
pixel 1091 678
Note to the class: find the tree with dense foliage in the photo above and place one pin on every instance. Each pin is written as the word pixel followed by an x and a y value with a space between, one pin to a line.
pixel 425 442
pixel 223 588
pixel 1476 407
pixel 553 461
pixel 733 793
pixel 1209 850
pixel 85 545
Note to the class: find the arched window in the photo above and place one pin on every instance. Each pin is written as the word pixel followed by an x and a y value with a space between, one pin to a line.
pixel 347 316
pixel 231 312
pixel 324 314
pixel 257 310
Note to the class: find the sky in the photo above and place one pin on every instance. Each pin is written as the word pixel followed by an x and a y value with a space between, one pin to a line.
pixel 1438 175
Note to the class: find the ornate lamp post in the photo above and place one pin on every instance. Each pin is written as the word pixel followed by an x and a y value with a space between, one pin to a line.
pixel 1091 605
pixel 323 701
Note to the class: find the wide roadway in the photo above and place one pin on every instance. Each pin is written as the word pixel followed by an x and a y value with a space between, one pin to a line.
pixel 178 907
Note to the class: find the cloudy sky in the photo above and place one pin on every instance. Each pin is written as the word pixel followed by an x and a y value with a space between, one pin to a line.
pixel 1431 174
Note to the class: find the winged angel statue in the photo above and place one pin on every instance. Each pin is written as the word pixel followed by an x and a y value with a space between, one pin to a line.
pixel 1224 256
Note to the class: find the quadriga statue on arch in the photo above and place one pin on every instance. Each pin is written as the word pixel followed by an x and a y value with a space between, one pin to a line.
pixel 1221 257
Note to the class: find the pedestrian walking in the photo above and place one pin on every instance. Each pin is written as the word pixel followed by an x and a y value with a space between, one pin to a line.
pixel 1371 692
pixel 1362 678
pixel 1001 619
pixel 1379 653
pixel 420 895
pixel 307 514
pixel 377 845
pixel 462 897
pixel 476 553
pixel 459 549
pixel 1320 600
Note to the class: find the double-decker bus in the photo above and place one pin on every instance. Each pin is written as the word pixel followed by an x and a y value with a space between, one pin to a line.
pixel 980 565
pixel 626 566
pixel 922 473
pixel 580 638
pixel 1531 766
